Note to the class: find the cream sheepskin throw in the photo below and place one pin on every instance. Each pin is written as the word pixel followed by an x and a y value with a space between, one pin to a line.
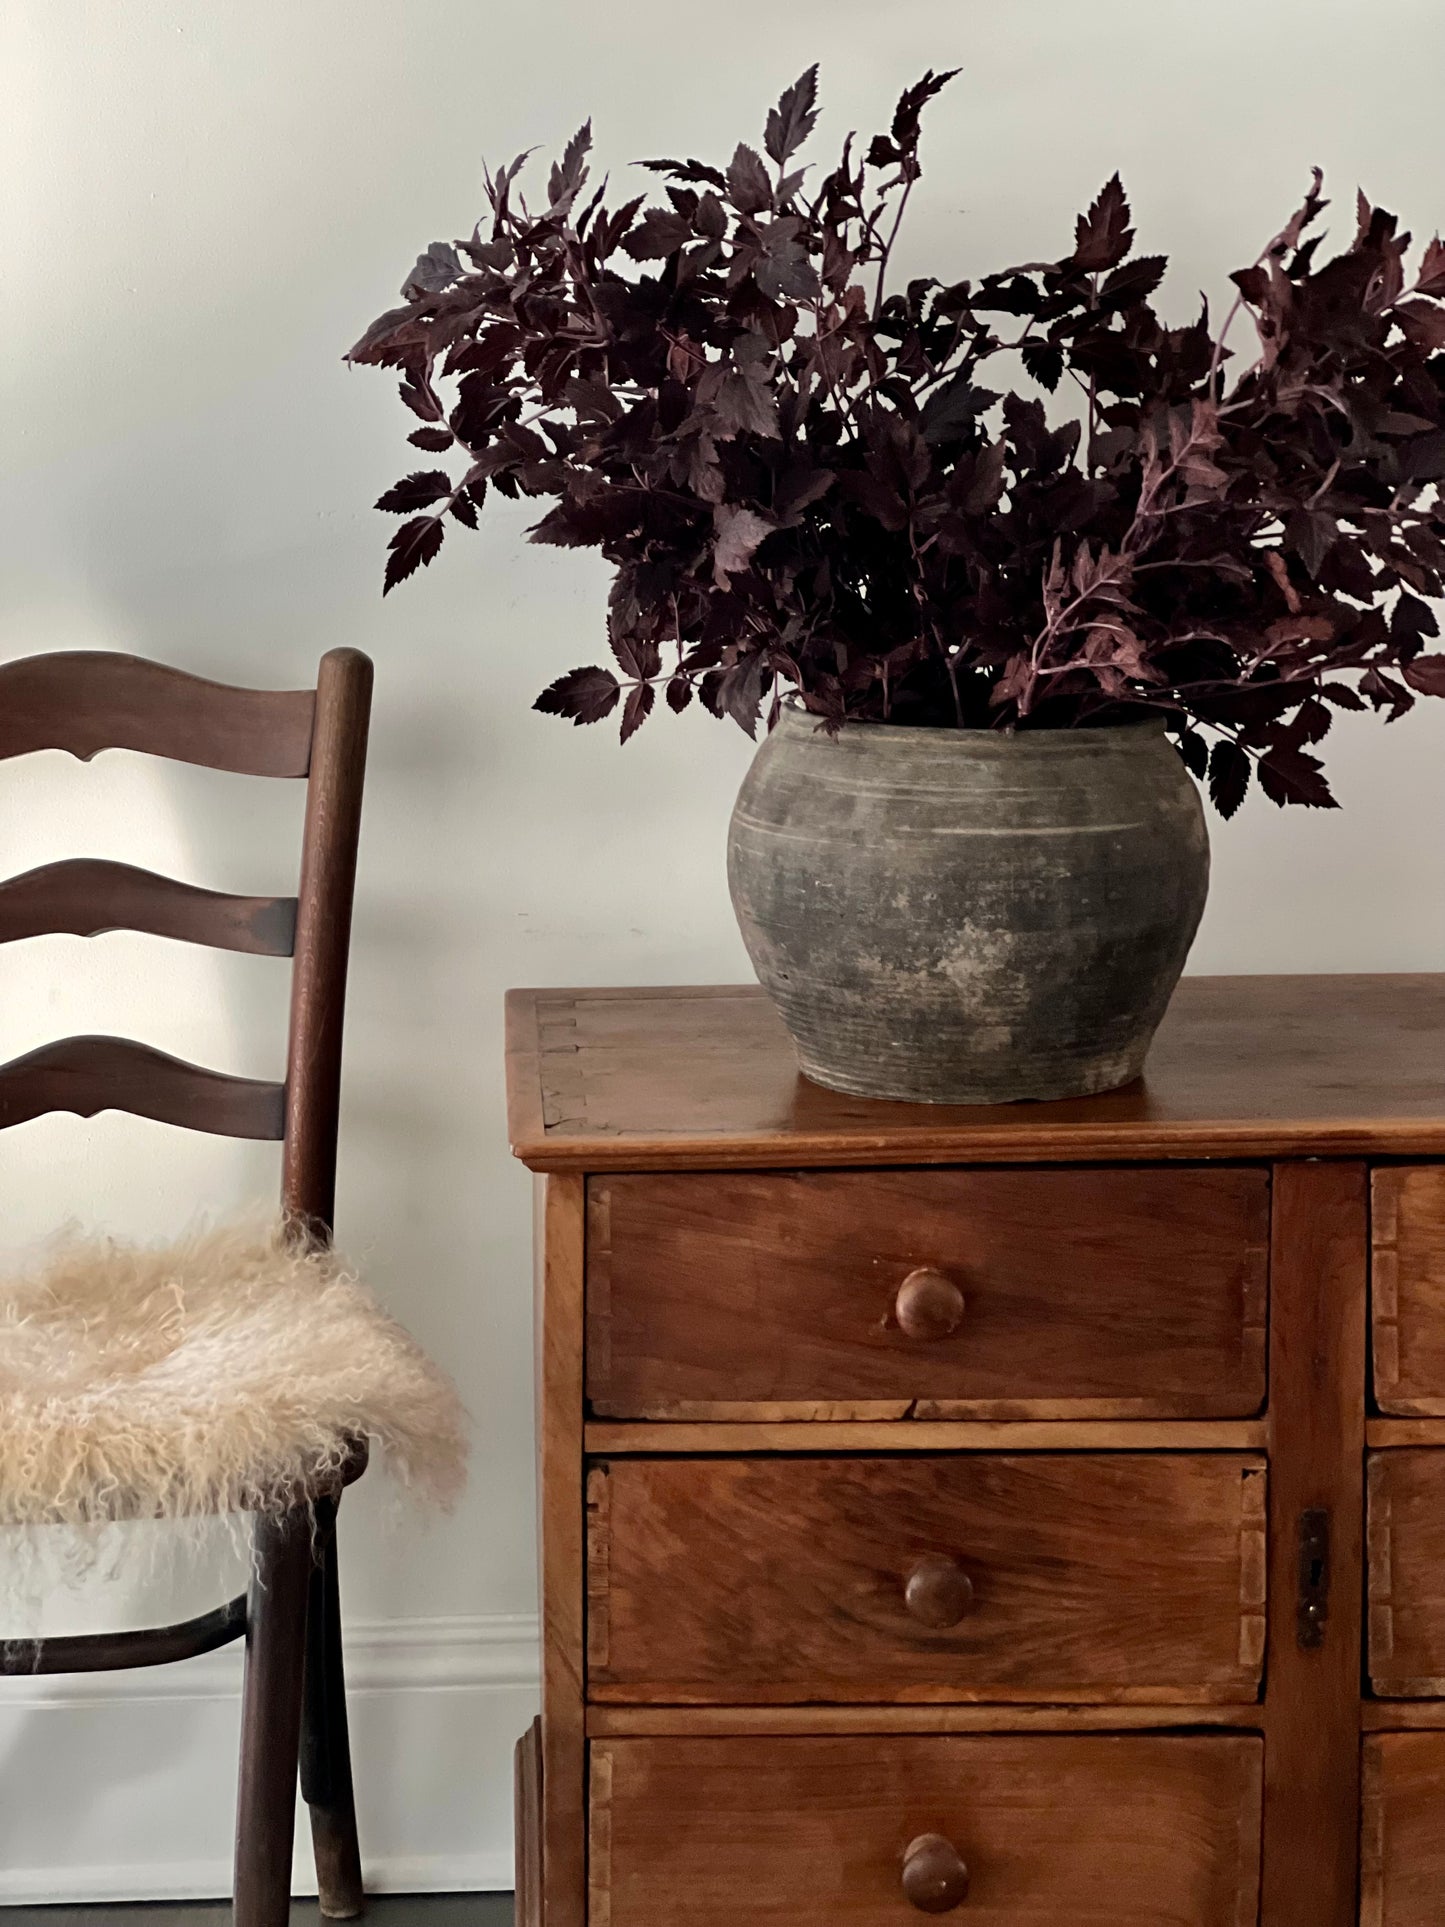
pixel 209 1376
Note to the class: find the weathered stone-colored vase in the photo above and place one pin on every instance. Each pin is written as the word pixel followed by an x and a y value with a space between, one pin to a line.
pixel 964 917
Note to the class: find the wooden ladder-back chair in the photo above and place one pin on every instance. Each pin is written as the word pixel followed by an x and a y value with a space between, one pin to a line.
pixel 293 1696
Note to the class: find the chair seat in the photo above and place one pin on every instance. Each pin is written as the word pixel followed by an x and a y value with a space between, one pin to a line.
pixel 233 1371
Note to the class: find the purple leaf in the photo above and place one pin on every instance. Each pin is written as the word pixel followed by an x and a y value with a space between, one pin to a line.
pixel 417 491
pixel 1290 775
pixel 1431 279
pixel 1427 674
pixel 637 709
pixel 658 233
pixel 411 548
pixel 749 188
pixel 438 268
pixel 738 533
pixel 686 171
pixel 569 174
pixel 792 120
pixel 1228 776
pixel 586 695
pixel 1103 236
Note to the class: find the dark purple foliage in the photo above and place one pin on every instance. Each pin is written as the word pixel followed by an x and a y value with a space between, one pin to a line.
pixel 802 480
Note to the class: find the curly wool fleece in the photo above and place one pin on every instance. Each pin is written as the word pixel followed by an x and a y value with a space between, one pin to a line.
pixel 211 1375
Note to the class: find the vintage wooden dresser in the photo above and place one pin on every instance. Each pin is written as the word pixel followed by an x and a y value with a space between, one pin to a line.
pixel 1036 1513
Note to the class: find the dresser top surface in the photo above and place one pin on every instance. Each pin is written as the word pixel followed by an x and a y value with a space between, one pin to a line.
pixel 700 1077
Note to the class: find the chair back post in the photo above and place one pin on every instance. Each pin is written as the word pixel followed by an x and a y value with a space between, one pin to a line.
pixel 323 938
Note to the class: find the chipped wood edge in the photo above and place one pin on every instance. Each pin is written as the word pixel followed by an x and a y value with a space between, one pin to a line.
pixel 597 1372
pixel 1254 1299
pixel 599 1570
pixel 1372 1835
pixel 1251 1839
pixel 1379 1566
pixel 524 1086
pixel 903 1720
pixel 1253 1569
pixel 1385 1288
pixel 560 1256
pixel 1425 1686
pixel 1404 1716
pixel 599 1841
pixel 609 1439
pixel 681 1694
pixel 559 1065
pixel 1383 1433
pixel 1193 1410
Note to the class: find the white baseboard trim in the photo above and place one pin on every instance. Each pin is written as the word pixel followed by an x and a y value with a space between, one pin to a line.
pixel 382 1656
pixel 211 1880
pixel 120 1786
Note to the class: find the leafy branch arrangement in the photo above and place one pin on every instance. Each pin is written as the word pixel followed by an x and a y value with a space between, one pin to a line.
pixel 802 481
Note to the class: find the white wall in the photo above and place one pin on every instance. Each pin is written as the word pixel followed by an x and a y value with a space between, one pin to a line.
pixel 202 204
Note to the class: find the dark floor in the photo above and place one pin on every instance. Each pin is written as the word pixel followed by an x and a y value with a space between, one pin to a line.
pixel 436 1910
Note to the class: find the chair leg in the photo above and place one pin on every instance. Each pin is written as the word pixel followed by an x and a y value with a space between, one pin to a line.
pixel 325 1740
pixel 271 1718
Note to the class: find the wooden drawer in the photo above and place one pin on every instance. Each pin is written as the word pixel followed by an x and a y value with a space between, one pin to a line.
pixel 1407 1214
pixel 1406 1584
pixel 1402 1843
pixel 1137 1293
pixel 1040 1576
pixel 1095 1832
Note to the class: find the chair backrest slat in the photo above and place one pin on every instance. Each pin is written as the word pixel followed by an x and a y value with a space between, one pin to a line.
pixel 83 703
pixel 86 896
pixel 87 701
pixel 90 1074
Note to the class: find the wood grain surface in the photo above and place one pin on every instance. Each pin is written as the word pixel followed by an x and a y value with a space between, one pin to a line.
pixel 85 701
pixel 688 1722
pixel 1407 1223
pixel 1316 1458
pixel 605 1438
pixel 1109 1293
pixel 1242 1067
pixel 1406 1576
pixel 527 1818
pixel 1402 1840
pixel 87 1075
pixel 1093 1576
pixel 85 896
pixel 1093 1832
pixel 559 1235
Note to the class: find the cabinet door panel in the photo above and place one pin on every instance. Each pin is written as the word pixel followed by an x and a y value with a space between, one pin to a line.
pixel 1402 1845
pixel 1408 1296
pixel 1406 1584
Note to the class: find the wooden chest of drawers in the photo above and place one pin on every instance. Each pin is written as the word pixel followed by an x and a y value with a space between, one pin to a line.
pixel 1035 1514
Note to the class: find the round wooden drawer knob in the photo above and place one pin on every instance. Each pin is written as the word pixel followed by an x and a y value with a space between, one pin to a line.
pixel 938 1592
pixel 935 1878
pixel 928 1305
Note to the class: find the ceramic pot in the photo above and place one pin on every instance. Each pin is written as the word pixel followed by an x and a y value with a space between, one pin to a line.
pixel 963 916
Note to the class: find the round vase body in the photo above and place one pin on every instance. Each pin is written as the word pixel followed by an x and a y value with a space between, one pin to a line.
pixel 965 917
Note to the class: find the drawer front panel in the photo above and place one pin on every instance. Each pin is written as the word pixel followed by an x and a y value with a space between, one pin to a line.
pixel 1040 1576
pixel 1098 1832
pixel 1407 1217
pixel 1402 1843
pixel 1406 1594
pixel 929 1294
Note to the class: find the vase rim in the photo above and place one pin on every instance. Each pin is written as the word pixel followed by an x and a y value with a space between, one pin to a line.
pixel 1086 733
